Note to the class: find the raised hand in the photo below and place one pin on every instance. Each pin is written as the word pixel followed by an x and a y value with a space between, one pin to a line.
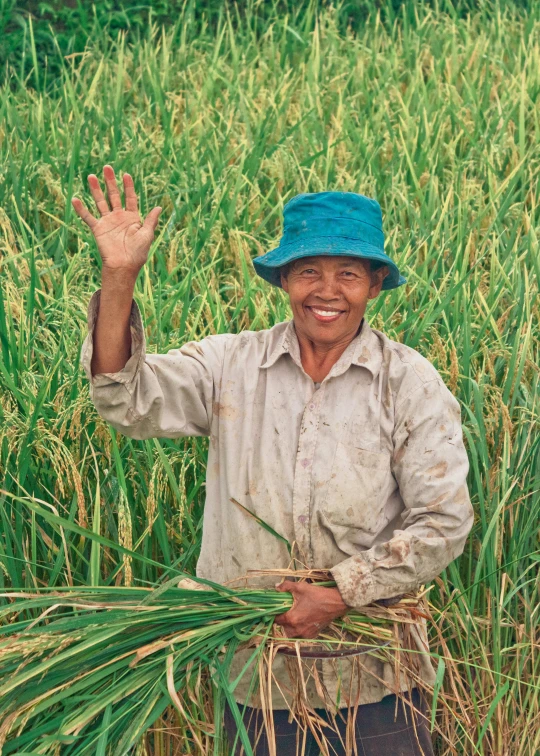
pixel 123 240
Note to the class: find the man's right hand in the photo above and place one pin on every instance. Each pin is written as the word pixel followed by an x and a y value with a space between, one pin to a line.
pixel 122 238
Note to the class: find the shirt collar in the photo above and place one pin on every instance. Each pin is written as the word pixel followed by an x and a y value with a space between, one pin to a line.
pixel 363 351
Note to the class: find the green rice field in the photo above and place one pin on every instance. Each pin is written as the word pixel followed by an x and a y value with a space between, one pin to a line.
pixel 430 108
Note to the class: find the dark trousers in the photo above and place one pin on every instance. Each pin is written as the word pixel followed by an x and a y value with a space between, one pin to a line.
pixel 377 733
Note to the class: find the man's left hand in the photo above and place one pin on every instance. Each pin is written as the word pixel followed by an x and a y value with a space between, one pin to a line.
pixel 314 608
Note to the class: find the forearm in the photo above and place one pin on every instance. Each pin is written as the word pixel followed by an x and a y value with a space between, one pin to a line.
pixel 398 566
pixel 150 395
pixel 430 465
pixel 112 336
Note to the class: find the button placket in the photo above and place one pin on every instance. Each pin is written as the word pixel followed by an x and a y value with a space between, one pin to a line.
pixel 303 475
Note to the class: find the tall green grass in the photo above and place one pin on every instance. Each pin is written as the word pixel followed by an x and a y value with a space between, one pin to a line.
pixel 434 115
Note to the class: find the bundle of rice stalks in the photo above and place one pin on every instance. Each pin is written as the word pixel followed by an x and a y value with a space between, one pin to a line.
pixel 89 670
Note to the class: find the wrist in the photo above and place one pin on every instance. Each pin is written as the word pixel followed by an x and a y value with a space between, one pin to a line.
pixel 340 605
pixel 119 277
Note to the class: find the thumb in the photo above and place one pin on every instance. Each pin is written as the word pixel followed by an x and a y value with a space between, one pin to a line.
pixel 286 586
pixel 151 220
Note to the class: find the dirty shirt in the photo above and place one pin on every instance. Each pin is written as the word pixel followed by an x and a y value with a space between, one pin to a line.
pixel 364 472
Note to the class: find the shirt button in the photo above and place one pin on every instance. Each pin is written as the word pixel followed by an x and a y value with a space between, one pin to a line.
pixel 312 406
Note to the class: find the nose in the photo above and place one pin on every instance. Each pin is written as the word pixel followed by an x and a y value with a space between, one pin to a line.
pixel 328 288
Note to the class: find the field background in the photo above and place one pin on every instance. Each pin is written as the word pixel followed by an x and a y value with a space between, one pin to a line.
pixel 222 113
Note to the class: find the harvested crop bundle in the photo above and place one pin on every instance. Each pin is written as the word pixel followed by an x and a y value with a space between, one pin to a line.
pixel 90 670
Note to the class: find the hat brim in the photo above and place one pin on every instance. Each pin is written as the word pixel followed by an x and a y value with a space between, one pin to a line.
pixel 268 266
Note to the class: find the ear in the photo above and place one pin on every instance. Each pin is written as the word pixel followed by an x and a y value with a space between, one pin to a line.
pixel 284 281
pixel 377 280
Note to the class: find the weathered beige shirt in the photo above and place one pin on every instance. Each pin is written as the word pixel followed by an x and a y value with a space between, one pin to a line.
pixel 367 473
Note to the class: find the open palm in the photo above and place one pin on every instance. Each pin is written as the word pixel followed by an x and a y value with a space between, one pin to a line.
pixel 123 240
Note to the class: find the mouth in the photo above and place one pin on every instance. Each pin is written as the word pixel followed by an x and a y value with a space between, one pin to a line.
pixel 325 314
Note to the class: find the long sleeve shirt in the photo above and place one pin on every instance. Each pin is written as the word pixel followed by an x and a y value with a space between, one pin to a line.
pixel 364 472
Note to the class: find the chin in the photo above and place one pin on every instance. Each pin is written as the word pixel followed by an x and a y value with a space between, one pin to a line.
pixel 327 333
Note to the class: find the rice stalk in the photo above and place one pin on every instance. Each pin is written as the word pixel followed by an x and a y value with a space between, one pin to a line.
pixel 131 652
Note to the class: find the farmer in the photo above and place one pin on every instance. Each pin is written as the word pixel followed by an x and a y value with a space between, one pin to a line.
pixel 345 442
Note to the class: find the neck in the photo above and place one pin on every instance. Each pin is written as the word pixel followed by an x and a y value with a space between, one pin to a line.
pixel 318 358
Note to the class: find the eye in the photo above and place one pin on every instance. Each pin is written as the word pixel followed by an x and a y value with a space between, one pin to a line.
pixel 349 273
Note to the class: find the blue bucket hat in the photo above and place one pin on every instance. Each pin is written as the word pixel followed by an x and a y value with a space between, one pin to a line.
pixel 329 223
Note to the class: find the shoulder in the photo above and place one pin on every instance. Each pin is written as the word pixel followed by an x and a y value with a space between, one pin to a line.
pixel 406 364
pixel 212 346
pixel 264 336
pixel 256 345
pixel 410 374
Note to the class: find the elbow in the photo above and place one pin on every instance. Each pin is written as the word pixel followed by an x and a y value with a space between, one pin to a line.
pixel 452 548
pixel 436 550
pixel 115 406
pixel 466 527
pixel 140 430
pixel 456 538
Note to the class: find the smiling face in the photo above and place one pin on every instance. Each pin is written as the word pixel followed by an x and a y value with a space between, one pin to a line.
pixel 329 294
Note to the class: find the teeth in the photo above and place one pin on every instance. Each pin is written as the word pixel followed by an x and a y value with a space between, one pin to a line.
pixel 325 313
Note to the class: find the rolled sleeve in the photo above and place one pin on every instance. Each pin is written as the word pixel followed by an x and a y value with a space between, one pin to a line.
pixel 430 465
pixel 138 347
pixel 156 395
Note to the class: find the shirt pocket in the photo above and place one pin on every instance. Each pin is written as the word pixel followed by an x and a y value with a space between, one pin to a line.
pixel 356 496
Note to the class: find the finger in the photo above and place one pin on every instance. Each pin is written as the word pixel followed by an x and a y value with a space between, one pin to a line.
pixel 130 194
pixel 113 192
pixel 283 619
pixel 83 212
pixel 151 220
pixel 97 194
pixel 290 631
